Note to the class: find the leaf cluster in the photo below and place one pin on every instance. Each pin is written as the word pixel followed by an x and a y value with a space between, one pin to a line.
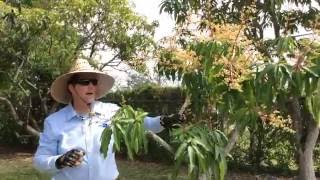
pixel 127 126
pixel 202 149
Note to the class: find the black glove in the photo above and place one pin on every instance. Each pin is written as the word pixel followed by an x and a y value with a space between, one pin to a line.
pixel 172 120
pixel 71 158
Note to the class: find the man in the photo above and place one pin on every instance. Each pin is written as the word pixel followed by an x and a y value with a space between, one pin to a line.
pixel 69 147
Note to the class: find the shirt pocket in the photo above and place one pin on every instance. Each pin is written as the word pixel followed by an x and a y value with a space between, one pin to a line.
pixel 71 138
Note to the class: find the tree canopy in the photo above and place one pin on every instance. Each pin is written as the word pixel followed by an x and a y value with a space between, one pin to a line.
pixel 235 76
pixel 40 39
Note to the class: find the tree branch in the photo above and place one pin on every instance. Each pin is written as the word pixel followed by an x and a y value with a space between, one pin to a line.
pixel 158 139
pixel 233 139
pixel 29 129
pixel 186 103
pixel 110 61
pixel 43 103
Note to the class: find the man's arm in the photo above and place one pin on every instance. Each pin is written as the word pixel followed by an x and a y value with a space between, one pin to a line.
pixel 153 124
pixel 46 154
pixel 158 123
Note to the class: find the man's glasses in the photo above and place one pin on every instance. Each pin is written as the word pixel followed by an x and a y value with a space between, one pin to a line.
pixel 86 82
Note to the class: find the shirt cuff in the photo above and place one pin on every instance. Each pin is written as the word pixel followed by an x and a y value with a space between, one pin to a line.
pixel 153 124
pixel 52 164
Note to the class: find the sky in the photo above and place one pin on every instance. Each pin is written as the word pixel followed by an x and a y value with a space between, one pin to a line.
pixel 150 9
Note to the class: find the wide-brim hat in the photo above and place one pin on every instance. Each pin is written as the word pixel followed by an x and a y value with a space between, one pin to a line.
pixel 59 87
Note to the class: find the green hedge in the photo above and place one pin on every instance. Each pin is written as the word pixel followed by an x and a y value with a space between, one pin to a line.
pixel 152 99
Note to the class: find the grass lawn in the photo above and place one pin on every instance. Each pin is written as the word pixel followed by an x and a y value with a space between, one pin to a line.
pixel 18 166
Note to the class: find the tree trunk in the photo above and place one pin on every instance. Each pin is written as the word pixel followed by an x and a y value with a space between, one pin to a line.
pixel 274 20
pixel 307 133
pixel 27 127
pixel 232 139
pixel 306 169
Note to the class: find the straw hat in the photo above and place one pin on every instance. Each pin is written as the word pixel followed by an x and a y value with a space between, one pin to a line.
pixel 59 90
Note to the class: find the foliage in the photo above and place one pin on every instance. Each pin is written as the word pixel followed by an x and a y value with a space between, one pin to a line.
pixel 109 25
pixel 257 15
pixel 33 50
pixel 274 155
pixel 277 155
pixel 156 101
pixel 256 76
pixel 40 39
pixel 7 136
pixel 127 126
pixel 202 148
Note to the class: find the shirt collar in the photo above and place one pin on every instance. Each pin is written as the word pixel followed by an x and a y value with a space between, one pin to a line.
pixel 71 113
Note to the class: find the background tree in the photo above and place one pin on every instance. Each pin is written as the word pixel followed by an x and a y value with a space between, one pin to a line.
pixel 40 39
pixel 34 49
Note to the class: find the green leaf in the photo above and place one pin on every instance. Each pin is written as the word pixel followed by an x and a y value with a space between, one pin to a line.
pixel 222 169
pixel 201 159
pixel 117 138
pixel 176 168
pixel 180 151
pixel 201 142
pixel 128 126
pixel 313 105
pixel 310 72
pixel 126 141
pixel 192 160
pixel 105 141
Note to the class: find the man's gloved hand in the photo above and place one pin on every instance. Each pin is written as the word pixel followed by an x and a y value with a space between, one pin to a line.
pixel 71 158
pixel 172 120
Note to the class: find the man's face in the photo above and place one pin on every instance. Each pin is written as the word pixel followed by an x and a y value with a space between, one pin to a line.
pixel 84 88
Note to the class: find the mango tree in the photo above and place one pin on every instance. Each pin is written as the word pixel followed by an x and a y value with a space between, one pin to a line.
pixel 256 98
pixel 295 88
pixel 218 79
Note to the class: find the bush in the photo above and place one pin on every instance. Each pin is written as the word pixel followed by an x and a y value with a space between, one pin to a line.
pixel 276 155
pixel 9 130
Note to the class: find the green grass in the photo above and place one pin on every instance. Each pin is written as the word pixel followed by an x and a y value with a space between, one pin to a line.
pixel 19 167
pixel 141 170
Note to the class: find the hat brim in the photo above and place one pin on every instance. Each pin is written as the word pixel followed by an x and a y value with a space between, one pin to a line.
pixel 59 90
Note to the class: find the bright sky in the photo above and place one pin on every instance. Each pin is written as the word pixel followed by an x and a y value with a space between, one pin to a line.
pixel 151 9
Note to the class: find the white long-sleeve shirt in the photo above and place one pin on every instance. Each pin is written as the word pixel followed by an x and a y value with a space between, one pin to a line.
pixel 66 130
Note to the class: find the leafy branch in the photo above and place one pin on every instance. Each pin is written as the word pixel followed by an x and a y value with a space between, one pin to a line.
pixel 126 126
pixel 201 148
